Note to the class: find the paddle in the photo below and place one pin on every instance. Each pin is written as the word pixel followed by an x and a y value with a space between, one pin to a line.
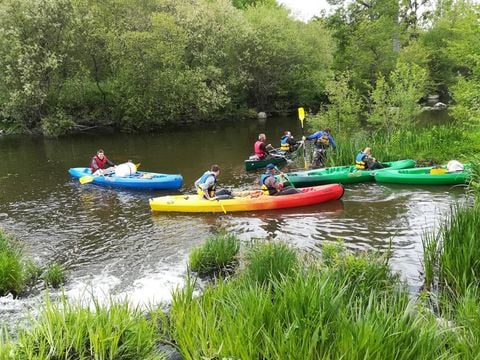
pixel 285 176
pixel 215 198
pixel 301 116
pixel 89 178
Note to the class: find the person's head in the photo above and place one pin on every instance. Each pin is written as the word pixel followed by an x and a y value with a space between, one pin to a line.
pixel 215 169
pixel 262 137
pixel 328 130
pixel 270 168
pixel 288 133
pixel 368 151
pixel 100 154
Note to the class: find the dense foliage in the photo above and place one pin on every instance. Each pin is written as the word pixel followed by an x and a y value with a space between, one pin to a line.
pixel 72 64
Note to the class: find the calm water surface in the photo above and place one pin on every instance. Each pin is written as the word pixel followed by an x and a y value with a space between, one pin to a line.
pixel 113 246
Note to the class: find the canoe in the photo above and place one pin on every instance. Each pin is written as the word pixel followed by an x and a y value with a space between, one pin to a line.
pixel 253 164
pixel 422 176
pixel 247 201
pixel 141 180
pixel 342 174
pixel 277 157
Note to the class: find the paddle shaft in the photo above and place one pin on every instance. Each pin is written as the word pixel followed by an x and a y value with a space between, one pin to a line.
pixel 301 116
pixel 285 176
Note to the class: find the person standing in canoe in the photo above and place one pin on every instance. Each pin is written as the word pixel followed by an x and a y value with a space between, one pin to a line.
pixel 100 164
pixel 261 149
pixel 365 161
pixel 287 142
pixel 207 183
pixel 271 186
pixel 322 141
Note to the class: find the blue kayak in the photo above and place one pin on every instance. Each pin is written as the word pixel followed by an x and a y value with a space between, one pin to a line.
pixel 140 180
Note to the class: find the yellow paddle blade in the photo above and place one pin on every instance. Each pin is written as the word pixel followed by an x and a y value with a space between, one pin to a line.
pixel 301 114
pixel 86 179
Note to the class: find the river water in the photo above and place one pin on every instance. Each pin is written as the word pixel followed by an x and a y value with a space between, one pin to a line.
pixel 113 246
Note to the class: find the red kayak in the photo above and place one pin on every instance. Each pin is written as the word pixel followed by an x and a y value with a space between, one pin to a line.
pixel 248 201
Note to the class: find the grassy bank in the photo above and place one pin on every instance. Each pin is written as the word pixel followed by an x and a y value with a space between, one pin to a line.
pixel 278 305
pixel 436 144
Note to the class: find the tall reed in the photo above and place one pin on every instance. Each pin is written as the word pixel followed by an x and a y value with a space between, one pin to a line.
pixel 351 308
pixel 459 264
pixel 11 267
pixel 70 331
pixel 436 144
pixel 215 254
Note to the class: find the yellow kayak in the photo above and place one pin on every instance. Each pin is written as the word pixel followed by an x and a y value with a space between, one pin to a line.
pixel 248 201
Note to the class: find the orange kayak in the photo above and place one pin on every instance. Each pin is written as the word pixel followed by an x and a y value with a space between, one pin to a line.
pixel 248 201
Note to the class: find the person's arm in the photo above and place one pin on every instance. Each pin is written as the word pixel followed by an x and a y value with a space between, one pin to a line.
pixel 313 136
pixel 109 163
pixel 94 165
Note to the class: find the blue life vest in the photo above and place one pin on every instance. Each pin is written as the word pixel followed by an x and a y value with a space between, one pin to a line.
pixel 202 180
pixel 267 190
pixel 284 145
pixel 359 161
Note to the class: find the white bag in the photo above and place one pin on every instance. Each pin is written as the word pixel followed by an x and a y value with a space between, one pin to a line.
pixel 125 169
pixel 454 165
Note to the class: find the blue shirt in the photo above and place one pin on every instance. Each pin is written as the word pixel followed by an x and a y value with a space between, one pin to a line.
pixel 317 135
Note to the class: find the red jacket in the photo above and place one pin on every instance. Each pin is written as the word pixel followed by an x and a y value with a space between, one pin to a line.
pixel 258 148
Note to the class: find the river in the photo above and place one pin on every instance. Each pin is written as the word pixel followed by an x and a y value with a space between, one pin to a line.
pixel 112 245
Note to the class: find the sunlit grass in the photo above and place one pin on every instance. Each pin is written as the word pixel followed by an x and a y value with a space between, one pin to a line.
pixel 349 306
pixel 216 254
pixel 11 268
pixel 70 331
pixel 54 275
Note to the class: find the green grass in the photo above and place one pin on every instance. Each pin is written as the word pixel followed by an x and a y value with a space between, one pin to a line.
pixel 267 261
pixel 54 275
pixel 349 307
pixel 11 267
pixel 70 331
pixel 217 254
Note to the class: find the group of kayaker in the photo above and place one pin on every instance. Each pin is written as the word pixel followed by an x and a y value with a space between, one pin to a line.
pixel 270 184
pixel 322 140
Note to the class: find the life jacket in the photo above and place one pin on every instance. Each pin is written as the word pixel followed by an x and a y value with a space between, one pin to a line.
pixel 284 145
pixel 360 164
pixel 259 152
pixel 100 163
pixel 267 190
pixel 202 180
pixel 322 141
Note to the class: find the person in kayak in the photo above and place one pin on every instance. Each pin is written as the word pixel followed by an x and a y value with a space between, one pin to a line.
pixel 287 142
pixel 271 186
pixel 323 139
pixel 365 161
pixel 207 183
pixel 101 165
pixel 261 149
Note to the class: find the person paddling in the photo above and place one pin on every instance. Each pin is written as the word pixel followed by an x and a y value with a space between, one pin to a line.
pixel 101 165
pixel 271 186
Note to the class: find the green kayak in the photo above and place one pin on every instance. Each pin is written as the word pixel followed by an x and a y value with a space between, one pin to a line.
pixel 422 176
pixel 342 174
